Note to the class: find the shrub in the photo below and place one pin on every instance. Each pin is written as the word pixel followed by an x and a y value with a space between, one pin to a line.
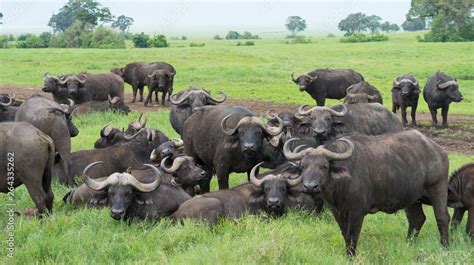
pixel 232 35
pixel 78 35
pixel 299 40
pixel 141 40
pixel 247 43
pixel 364 38
pixel 196 44
pixel 23 37
pixel 46 38
pixel 217 37
pixel 32 41
pixel 4 41
pixel 159 41
pixel 330 35
pixel 184 38
pixel 106 38
pixel 248 36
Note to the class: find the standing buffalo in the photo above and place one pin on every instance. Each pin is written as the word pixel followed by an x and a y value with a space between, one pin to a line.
pixel 334 122
pixel 359 175
pixel 135 75
pixel 7 108
pixel 186 103
pixel 326 83
pixel 92 87
pixel 115 104
pixel 405 93
pixel 57 88
pixel 440 90
pixel 362 92
pixel 27 158
pixel 55 121
pixel 159 78
pixel 461 196
pixel 235 147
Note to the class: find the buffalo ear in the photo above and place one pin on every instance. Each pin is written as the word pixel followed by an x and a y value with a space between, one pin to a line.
pixel 340 173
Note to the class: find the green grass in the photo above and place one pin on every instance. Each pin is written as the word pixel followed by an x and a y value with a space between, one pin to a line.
pixel 88 236
pixel 262 71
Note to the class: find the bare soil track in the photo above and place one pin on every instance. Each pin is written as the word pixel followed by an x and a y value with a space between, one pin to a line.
pixel 459 138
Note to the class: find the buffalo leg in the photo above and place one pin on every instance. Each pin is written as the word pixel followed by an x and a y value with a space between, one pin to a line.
pixel 42 200
pixel 394 108
pixel 470 222
pixel 135 89
pixel 341 221
pixel 457 216
pixel 438 195
pixel 141 88
pixel 163 97
pixel 404 116
pixel 434 121
pixel 149 97
pixel 413 115
pixel 156 97
pixel 444 113
pixel 320 102
pixel 354 226
pixel 223 178
pixel 416 219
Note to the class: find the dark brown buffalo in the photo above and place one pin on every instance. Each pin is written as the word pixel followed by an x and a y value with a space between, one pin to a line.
pixel 186 102
pixel 235 147
pixel 171 149
pixel 53 85
pixel 27 158
pixel 461 196
pixel 405 93
pixel 114 104
pixel 55 121
pixel 326 83
pixel 363 92
pixel 93 87
pixel 440 90
pixel 359 175
pixel 159 78
pixel 7 108
pixel 329 123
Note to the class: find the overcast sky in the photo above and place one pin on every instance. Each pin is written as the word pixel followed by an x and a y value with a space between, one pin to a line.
pixel 211 17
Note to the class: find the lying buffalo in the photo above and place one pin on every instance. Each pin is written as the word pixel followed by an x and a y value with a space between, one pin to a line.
pixel 92 87
pixel 235 147
pixel 440 90
pixel 27 158
pixel 326 83
pixel 272 192
pixel 334 122
pixel 171 149
pixel 160 78
pixel 114 104
pixel 405 93
pixel 363 92
pixel 7 109
pixel 461 196
pixel 186 103
pixel 55 121
pixel 359 175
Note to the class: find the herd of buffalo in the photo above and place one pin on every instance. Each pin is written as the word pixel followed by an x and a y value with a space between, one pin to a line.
pixel 355 158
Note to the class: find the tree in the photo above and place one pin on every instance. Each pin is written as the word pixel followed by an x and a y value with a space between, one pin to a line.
pixel 46 38
pixel 122 23
pixel 141 40
pixel 86 11
pixel 159 41
pixel 414 24
pixel 295 24
pixel 372 23
pixel 394 28
pixel 353 23
pixel 232 35
pixel 387 27
pixel 1 17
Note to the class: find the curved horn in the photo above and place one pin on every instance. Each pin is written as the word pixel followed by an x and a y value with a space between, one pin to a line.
pixel 253 179
pixel 292 155
pixel 271 116
pixel 93 184
pixel 293 78
pixel 336 156
pixel 371 97
pixel 339 113
pixel 178 143
pixel 114 100
pixel 105 131
pixel 131 137
pixel 348 90
pixel 10 101
pixel 180 100
pixel 175 166
pixel 148 187
pixel 446 84
pixel 81 79
pixel 71 106
pixel 293 182
pixel 303 112
pixel 150 76
pixel 218 100
pixel 144 122
pixel 110 98
pixel 273 131
pixel 224 128
pixel 63 80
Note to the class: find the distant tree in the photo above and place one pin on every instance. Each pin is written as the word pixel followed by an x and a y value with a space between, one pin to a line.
pixel 373 23
pixel 46 38
pixel 232 35
pixel 217 37
pixel 141 40
pixel 87 11
pixel 11 37
pixel 414 24
pixel 1 17
pixel 122 23
pixel 78 35
pixel 24 37
pixel 394 27
pixel 295 24
pixel 184 37
pixel 353 23
pixel 387 27
pixel 159 41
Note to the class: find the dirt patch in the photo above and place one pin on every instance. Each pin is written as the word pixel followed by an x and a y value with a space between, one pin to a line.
pixel 458 138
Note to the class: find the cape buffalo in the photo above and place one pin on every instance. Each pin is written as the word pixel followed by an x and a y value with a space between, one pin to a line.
pixel 27 158
pixel 440 90
pixel 55 121
pixel 363 92
pixel 186 103
pixel 461 196
pixel 93 87
pixel 405 93
pixel 334 122
pixel 326 83
pixel 7 109
pixel 359 175
pixel 53 85
pixel 114 104
pixel 171 149
pixel 159 78
pixel 235 147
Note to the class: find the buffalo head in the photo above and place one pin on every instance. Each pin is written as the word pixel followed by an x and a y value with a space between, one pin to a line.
pixel 322 119
pixel 117 71
pixel 73 82
pixel 160 78
pixel 110 136
pixel 194 97
pixel 303 81
pixel 68 111
pixel 184 170
pixel 117 104
pixel 123 189
pixel 169 149
pixel 450 88
pixel 137 124
pixel 406 86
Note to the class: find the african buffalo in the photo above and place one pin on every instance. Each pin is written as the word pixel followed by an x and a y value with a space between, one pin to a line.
pixel 186 103
pixel 7 109
pixel 171 149
pixel 159 78
pixel 461 196
pixel 440 90
pixel 114 104
pixel 360 174
pixel 235 147
pixel 27 158
pixel 326 83
pixel 334 122
pixel 405 93
pixel 53 85
pixel 55 121
pixel 363 92
pixel 93 87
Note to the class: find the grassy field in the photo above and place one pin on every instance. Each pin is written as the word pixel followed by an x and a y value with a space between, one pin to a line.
pixel 88 236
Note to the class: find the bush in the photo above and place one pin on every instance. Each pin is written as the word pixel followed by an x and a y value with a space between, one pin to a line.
pixel 247 43
pixel 106 38
pixel 78 35
pixel 217 37
pixel 31 42
pixel 299 40
pixel 364 38
pixel 4 41
pixel 196 44
pixel 11 37
pixel 46 38
pixel 232 35
pixel 159 41
pixel 330 35
pixel 184 38
pixel 23 37
pixel 141 40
